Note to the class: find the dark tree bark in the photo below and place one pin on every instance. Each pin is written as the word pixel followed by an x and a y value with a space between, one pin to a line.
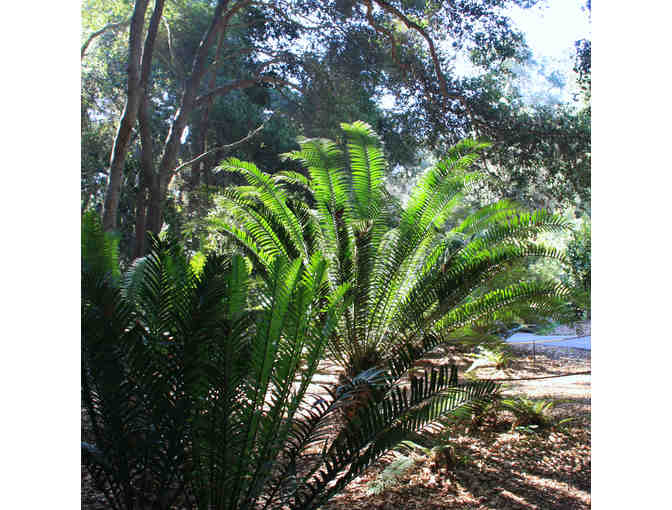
pixel 133 98
pixel 147 178
pixel 168 162
pixel 153 185
pixel 139 71
pixel 200 133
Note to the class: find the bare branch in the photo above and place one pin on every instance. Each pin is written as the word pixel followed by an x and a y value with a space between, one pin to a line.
pixel 220 27
pixel 384 31
pixel 443 87
pixel 228 147
pixel 432 49
pixel 243 84
pixel 148 49
pixel 283 14
pixel 110 26
pixel 169 37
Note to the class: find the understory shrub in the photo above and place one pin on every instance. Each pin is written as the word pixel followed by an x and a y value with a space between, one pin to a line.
pixel 416 275
pixel 528 412
pixel 196 392
pixel 497 356
pixel 579 257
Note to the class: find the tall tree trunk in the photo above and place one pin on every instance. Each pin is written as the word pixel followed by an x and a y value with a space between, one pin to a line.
pixel 168 161
pixel 146 177
pixel 139 72
pixel 133 98
pixel 200 133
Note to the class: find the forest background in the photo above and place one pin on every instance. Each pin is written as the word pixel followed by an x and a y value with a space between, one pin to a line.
pixel 42 142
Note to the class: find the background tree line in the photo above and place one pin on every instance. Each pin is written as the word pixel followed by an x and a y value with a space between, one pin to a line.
pixel 170 88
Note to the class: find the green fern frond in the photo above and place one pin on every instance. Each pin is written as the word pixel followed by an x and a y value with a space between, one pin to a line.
pixel 368 166
pixel 406 274
pixel 100 249
pixel 272 198
pixel 487 215
pixel 534 294
pixel 380 425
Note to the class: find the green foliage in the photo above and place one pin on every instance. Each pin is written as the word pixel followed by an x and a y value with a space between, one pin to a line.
pixel 582 66
pixel 183 384
pixel 439 455
pixel 578 274
pixel 100 250
pixel 430 397
pixel 340 74
pixel 529 413
pixel 579 256
pixel 197 262
pixel 391 475
pixel 197 397
pixel 497 356
pixel 416 274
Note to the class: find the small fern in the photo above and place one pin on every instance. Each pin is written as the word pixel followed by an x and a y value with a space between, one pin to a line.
pixel 529 414
pixel 497 356
pixel 391 475
pixel 441 455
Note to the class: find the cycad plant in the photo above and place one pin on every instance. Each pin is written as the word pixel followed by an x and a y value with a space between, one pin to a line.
pixel 529 413
pixel 414 276
pixel 496 356
pixel 196 397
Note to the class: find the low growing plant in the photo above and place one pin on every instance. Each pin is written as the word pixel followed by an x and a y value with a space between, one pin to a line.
pixel 529 414
pixel 439 456
pixel 415 273
pixel 391 475
pixel 496 356
pixel 579 257
pixel 196 395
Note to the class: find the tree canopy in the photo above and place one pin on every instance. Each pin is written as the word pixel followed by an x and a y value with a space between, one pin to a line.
pixel 170 89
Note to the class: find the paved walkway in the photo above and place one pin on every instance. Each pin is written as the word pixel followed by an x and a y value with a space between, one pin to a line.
pixel 551 340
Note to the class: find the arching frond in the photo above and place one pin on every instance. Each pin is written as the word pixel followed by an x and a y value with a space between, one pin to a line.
pixel 405 272
pixel 368 166
pixel 379 425
pixel 272 198
pixel 100 249
pixel 324 161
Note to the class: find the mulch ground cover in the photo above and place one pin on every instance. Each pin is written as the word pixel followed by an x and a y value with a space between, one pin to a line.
pixel 495 467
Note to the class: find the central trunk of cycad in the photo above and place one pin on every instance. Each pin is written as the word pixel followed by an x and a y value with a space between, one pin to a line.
pixel 361 392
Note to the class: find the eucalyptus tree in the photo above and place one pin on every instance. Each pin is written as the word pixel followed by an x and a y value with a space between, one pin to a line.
pixel 194 92
pixel 414 276
pixel 312 63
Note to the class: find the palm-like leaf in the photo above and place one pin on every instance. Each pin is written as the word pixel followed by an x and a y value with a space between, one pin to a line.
pixel 191 395
pixel 382 423
pixel 418 279
pixel 195 399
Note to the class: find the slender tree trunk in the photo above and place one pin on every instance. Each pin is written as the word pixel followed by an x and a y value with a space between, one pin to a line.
pixel 168 161
pixel 147 144
pixel 146 177
pixel 200 133
pixel 139 72
pixel 133 98
pixel 140 220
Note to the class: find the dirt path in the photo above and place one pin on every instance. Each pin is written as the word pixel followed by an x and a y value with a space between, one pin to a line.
pixel 498 469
